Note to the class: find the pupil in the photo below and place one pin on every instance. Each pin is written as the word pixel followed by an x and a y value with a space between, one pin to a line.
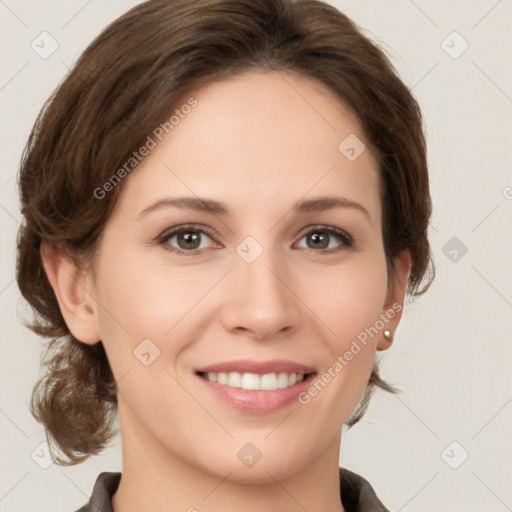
pixel 322 237
pixel 188 238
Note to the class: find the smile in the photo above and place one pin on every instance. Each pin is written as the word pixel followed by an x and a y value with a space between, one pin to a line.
pixel 254 381
pixel 257 393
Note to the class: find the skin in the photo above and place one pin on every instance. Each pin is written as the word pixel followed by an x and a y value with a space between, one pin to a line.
pixel 258 143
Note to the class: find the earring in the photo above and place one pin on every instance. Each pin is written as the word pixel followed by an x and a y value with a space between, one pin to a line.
pixel 387 334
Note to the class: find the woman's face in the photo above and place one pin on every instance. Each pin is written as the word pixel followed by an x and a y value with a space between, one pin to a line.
pixel 265 280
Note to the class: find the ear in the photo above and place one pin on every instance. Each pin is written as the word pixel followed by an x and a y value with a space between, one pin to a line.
pixel 393 307
pixel 72 287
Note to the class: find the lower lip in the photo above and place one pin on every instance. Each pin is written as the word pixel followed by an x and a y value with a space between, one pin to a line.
pixel 257 401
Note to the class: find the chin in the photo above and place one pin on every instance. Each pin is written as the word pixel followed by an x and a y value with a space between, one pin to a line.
pixel 246 464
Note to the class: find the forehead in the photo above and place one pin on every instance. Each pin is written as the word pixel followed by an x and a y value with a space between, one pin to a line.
pixel 264 136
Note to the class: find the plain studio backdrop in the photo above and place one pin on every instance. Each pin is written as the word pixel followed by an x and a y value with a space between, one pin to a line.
pixel 444 443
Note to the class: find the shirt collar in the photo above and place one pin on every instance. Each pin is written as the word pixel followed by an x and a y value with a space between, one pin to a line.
pixel 357 495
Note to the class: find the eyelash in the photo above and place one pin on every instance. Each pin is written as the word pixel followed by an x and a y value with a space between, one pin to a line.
pixel 346 239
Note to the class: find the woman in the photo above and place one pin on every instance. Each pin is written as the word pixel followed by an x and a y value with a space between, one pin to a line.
pixel 225 203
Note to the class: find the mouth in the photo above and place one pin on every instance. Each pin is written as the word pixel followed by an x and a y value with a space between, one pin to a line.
pixel 256 393
pixel 257 387
pixel 256 382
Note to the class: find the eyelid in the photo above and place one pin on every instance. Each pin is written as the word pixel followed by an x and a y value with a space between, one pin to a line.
pixel 183 227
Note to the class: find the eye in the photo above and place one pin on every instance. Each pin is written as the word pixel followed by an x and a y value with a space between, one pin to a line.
pixel 188 238
pixel 321 236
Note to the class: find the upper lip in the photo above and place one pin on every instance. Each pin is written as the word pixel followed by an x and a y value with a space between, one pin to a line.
pixel 258 367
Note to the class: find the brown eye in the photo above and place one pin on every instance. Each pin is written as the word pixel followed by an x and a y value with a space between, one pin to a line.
pixel 320 238
pixel 185 239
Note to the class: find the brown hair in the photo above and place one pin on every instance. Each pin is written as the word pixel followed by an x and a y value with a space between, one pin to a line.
pixel 122 87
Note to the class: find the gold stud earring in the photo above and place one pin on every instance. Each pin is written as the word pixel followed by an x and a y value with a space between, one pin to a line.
pixel 387 334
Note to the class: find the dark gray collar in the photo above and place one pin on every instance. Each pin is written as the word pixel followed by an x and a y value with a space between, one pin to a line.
pixel 357 495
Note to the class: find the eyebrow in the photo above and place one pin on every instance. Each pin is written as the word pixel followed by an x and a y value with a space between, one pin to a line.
pixel 216 208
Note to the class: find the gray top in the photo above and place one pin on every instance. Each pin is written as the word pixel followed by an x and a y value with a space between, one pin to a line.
pixel 357 495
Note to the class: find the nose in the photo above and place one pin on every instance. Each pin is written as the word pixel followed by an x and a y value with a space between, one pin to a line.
pixel 260 299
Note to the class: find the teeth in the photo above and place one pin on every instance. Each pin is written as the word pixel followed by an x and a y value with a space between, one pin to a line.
pixel 268 381
pixel 250 381
pixel 254 381
pixel 235 380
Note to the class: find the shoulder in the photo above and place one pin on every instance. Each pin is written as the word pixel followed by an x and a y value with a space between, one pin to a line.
pixel 357 495
pixel 101 498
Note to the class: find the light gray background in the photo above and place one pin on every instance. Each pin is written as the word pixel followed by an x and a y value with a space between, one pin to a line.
pixel 452 353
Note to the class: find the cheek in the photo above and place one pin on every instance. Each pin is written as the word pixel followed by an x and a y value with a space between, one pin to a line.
pixel 138 301
pixel 353 314
pixel 351 301
pixel 141 310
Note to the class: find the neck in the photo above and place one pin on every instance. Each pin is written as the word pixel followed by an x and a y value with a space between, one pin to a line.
pixel 156 479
